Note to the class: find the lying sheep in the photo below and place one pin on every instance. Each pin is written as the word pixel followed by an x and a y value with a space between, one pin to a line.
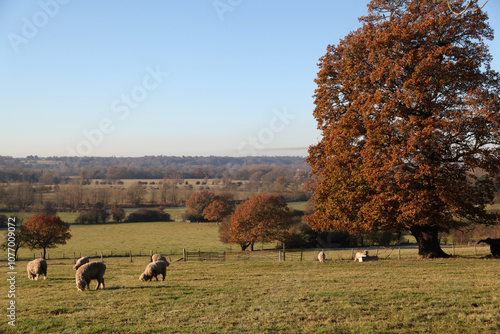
pixel 81 261
pixel 158 257
pixel 364 257
pixel 321 256
pixel 153 270
pixel 360 255
pixel 37 267
pixel 88 272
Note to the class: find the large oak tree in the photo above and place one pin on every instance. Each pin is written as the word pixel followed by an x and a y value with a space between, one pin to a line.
pixel 409 109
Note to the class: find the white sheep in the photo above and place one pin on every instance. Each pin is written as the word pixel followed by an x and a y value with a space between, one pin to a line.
pixel 158 257
pixel 154 269
pixel 81 261
pixel 321 256
pixel 364 257
pixel 88 272
pixel 36 268
pixel 360 255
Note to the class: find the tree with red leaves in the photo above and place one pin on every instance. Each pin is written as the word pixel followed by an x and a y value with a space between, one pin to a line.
pixel 262 218
pixel 409 108
pixel 218 209
pixel 45 231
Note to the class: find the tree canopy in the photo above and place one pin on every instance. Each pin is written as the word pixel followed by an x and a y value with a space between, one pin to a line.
pixel 409 108
pixel 198 202
pixel 45 231
pixel 262 218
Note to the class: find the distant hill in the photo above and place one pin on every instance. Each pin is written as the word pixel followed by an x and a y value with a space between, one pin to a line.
pixel 32 167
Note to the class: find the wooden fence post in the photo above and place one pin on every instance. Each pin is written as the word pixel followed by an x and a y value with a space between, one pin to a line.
pixel 131 256
pixel 399 253
pixel 102 260
pixel 352 254
pixel 184 254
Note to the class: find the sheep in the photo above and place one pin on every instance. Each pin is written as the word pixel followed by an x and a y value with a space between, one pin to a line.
pixel 321 256
pixel 37 267
pixel 154 269
pixel 364 257
pixel 81 261
pixel 88 272
pixel 360 255
pixel 158 257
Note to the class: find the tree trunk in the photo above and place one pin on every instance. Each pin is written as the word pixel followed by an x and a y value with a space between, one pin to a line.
pixel 428 241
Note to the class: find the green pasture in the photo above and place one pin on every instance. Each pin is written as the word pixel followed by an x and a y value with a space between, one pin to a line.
pixel 252 293
pixel 458 295
pixel 138 238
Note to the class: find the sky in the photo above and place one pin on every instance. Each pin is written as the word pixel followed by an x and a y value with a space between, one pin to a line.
pixel 160 77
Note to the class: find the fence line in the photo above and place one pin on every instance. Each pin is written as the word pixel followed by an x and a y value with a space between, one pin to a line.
pixel 332 254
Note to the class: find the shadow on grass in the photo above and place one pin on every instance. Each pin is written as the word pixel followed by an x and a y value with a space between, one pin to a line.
pixel 143 287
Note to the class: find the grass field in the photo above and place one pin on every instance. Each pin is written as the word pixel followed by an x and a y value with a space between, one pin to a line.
pixel 411 296
pixel 138 238
pixel 457 295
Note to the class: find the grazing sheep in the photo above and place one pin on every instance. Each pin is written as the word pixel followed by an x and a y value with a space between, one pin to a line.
pixel 321 256
pixel 364 257
pixel 88 272
pixel 37 267
pixel 81 261
pixel 153 270
pixel 158 257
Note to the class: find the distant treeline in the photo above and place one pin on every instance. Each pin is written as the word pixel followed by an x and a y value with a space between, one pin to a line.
pixel 52 170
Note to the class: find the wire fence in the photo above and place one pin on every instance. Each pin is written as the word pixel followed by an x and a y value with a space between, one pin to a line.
pixel 277 255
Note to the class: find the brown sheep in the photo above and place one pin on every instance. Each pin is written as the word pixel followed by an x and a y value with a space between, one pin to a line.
pixel 158 257
pixel 154 269
pixel 88 272
pixel 81 261
pixel 36 268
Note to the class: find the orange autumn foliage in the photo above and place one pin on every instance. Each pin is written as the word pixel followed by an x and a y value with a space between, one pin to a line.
pixel 409 108
pixel 262 218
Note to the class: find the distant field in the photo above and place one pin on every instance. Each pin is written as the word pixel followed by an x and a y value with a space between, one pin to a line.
pixel 138 238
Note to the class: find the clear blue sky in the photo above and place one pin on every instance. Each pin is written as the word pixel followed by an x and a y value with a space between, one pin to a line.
pixel 158 77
